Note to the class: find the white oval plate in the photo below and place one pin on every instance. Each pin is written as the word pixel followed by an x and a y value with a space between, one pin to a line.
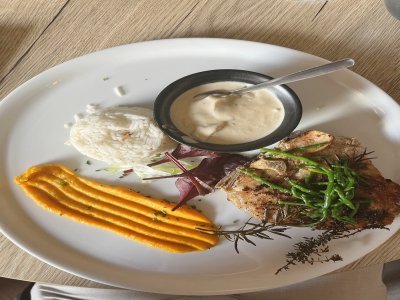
pixel 32 132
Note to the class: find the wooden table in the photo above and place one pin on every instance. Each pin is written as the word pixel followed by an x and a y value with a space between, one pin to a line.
pixel 38 34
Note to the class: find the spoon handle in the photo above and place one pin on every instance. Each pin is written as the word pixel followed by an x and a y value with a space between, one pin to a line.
pixel 309 73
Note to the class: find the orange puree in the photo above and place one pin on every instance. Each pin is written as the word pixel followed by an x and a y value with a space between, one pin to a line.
pixel 121 210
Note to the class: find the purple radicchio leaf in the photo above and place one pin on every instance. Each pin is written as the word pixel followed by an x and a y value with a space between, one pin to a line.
pixel 210 171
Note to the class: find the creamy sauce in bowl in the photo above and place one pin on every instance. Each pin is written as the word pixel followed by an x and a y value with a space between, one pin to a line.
pixel 234 119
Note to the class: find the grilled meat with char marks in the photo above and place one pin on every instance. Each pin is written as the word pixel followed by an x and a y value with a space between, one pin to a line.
pixel 378 198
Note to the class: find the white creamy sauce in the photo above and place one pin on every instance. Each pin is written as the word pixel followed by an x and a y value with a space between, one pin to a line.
pixel 227 120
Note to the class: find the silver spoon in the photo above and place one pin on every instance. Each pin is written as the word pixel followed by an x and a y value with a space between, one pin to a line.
pixel 305 74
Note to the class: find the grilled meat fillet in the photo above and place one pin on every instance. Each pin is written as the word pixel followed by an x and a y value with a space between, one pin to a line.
pixel 261 201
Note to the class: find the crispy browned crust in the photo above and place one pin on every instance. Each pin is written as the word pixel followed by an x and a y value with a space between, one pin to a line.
pixel 261 201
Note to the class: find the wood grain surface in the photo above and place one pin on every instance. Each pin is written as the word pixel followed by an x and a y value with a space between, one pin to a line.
pixel 36 35
pixel 21 24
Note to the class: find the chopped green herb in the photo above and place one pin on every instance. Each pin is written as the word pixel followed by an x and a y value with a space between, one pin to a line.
pixel 162 213
pixel 88 162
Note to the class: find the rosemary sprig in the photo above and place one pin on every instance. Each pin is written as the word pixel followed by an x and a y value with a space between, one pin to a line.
pixel 310 250
pixel 249 229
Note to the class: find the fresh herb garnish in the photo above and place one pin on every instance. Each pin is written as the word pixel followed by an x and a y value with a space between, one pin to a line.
pixel 249 229
pixel 310 250
pixel 313 250
pixel 162 213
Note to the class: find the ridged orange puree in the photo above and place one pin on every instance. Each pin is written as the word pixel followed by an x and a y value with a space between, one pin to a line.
pixel 121 210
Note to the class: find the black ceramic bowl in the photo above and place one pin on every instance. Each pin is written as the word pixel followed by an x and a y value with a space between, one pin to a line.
pixel 289 100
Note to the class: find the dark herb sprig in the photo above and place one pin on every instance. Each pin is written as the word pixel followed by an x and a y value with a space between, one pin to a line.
pixel 310 250
pixel 249 229
pixel 316 249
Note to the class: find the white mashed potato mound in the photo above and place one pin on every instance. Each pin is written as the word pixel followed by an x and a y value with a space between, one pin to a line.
pixel 119 135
